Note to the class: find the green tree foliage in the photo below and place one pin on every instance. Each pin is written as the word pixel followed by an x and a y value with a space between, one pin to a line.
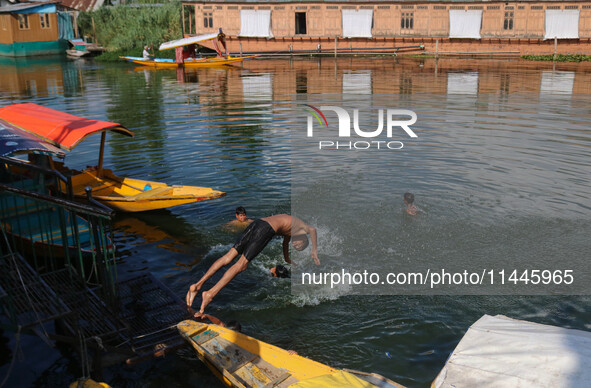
pixel 559 57
pixel 123 28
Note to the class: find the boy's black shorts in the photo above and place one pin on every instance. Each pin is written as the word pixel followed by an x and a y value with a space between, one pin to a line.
pixel 254 239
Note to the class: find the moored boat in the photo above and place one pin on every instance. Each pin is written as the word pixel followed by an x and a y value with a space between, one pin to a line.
pixel 65 131
pixel 242 361
pixel 167 63
pixel 77 53
pixel 185 53
pixel 36 225
pixel 503 352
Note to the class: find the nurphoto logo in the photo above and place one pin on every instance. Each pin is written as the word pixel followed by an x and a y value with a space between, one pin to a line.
pixel 395 119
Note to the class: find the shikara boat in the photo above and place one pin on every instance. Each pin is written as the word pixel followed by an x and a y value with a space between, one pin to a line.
pixel 242 361
pixel 185 53
pixel 39 227
pixel 65 131
pixel 168 63
pixel 77 53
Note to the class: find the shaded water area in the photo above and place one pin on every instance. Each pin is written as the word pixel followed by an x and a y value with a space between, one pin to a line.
pixel 230 129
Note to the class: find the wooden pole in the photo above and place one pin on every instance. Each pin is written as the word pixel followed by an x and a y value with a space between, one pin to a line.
pixel 94 31
pixel 75 17
pixel 555 47
pixel 335 46
pixel 183 20
pixel 99 171
pixel 436 48
pixel 191 21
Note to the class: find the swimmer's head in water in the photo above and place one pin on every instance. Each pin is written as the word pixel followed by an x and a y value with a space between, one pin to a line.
pixel 234 325
pixel 409 198
pixel 300 242
pixel 241 213
pixel 280 272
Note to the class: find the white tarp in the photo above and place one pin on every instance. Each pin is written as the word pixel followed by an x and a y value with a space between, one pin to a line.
pixel 557 82
pixel 357 24
pixel 465 24
pixel 504 352
pixel 562 24
pixel 255 23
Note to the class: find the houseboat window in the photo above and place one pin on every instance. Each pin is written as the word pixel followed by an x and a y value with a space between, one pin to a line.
pixel 3 22
pixel 23 21
pixel 44 20
pixel 300 23
pixel 407 22
pixel 508 23
pixel 207 19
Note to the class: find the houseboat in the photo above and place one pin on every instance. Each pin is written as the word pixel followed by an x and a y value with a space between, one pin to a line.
pixel 437 27
pixel 32 29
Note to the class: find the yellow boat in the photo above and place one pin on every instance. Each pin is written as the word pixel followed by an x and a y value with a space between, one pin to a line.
pixel 242 361
pixel 185 53
pixel 88 383
pixel 190 63
pixel 65 131
pixel 136 195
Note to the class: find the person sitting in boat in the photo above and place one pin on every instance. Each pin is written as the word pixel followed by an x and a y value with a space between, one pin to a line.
pixel 146 54
pixel 189 51
pixel 241 221
pixel 280 271
pixel 249 244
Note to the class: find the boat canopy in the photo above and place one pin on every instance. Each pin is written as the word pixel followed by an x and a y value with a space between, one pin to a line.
pixel 60 129
pixel 190 40
pixel 15 141
pixel 503 352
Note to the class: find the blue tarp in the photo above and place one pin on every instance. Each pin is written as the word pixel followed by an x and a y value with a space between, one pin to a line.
pixel 47 8
pixel 64 23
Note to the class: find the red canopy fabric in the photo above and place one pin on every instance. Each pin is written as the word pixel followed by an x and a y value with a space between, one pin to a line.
pixel 58 128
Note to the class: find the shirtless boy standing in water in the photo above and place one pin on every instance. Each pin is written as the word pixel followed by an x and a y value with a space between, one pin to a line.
pixel 250 243
pixel 241 221
pixel 409 200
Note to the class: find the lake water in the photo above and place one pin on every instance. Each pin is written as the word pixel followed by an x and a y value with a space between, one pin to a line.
pixel 500 170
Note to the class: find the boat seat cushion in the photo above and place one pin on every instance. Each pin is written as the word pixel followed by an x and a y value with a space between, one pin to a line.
pixel 157 191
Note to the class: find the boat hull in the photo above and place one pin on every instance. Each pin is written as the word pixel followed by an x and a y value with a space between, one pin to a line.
pixel 45 232
pixel 170 64
pixel 242 361
pixel 77 53
pixel 136 195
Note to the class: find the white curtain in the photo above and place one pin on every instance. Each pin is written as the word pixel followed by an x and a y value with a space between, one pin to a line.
pixel 357 24
pixel 465 24
pixel 255 23
pixel 562 24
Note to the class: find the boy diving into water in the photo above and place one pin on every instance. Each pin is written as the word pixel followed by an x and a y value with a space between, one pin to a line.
pixel 250 243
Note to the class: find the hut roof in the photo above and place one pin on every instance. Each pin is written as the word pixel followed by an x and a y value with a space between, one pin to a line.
pixel 83 5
